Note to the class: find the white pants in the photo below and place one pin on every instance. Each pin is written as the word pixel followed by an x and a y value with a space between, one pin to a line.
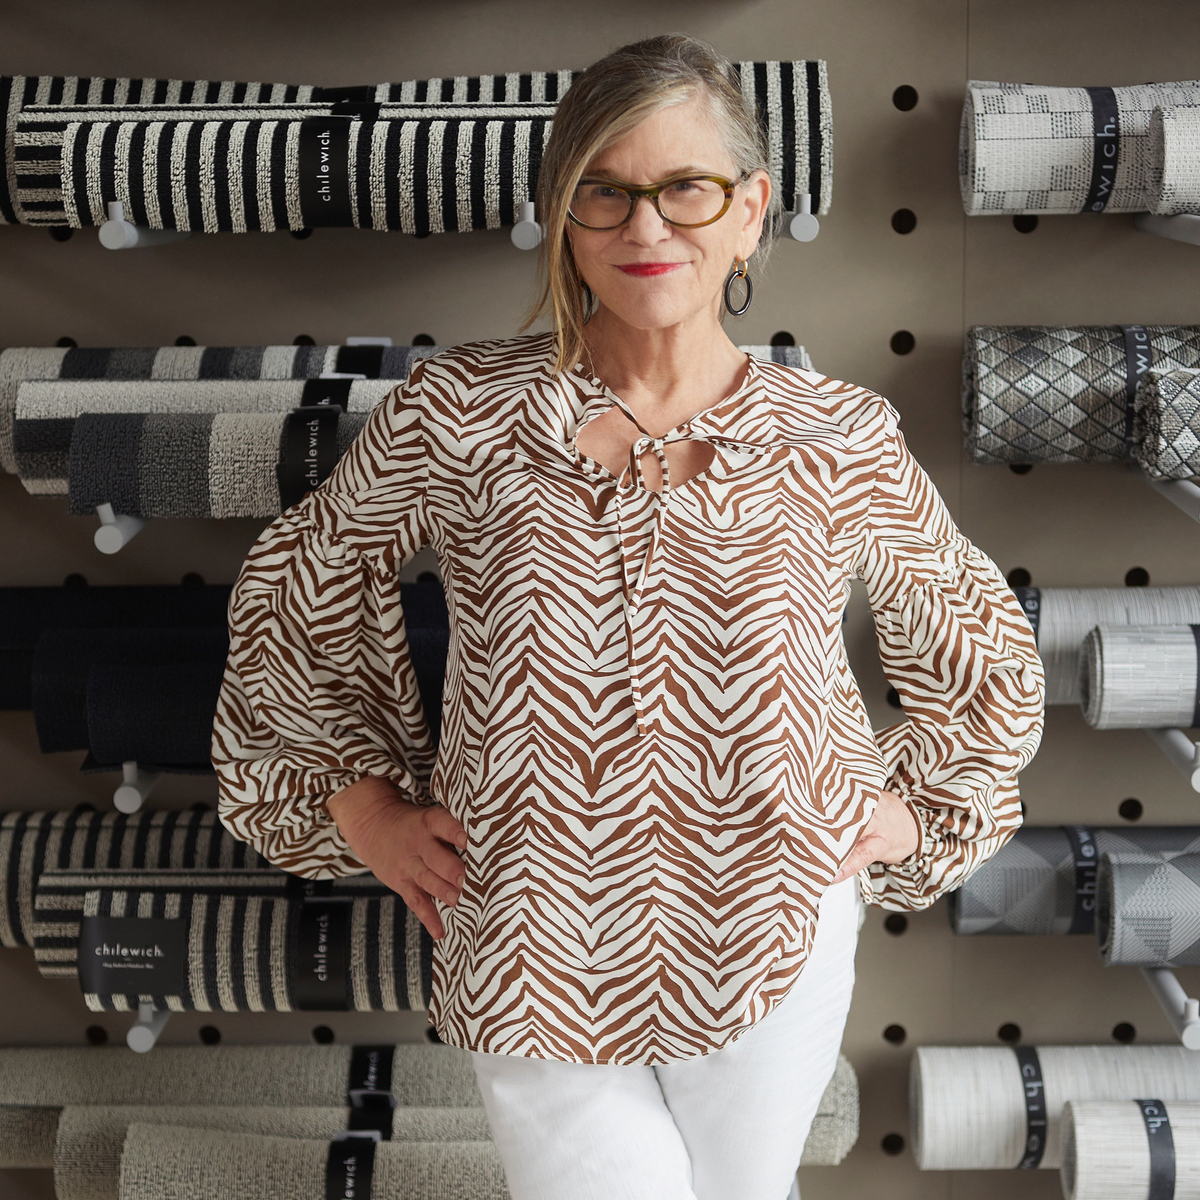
pixel 729 1125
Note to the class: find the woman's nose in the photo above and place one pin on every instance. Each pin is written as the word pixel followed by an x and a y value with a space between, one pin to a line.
pixel 645 225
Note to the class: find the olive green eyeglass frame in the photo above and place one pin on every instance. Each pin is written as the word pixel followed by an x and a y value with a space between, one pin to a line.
pixel 651 193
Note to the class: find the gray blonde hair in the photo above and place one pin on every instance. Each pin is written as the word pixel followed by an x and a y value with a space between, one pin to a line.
pixel 606 102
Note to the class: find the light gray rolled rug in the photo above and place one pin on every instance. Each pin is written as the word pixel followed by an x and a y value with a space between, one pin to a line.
pixel 27 1136
pixel 1063 617
pixel 1043 881
pixel 1029 148
pixel 1141 677
pixel 1166 424
pixel 1123 1151
pixel 967 1104
pixel 166 1162
pixel 1175 161
pixel 1148 909
pixel 87 1154
pixel 303 1076
pixel 834 1130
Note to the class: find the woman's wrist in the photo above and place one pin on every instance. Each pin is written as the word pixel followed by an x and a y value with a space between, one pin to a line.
pixel 362 803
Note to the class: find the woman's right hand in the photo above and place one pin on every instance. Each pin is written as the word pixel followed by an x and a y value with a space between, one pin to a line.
pixel 409 847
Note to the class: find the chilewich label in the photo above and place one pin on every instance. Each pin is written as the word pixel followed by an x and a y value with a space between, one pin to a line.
pixel 133 955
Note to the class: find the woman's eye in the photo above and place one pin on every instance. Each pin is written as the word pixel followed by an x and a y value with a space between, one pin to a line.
pixel 684 185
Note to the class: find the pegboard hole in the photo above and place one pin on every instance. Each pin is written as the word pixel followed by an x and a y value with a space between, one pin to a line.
pixel 301 234
pixel 210 1035
pixel 303 339
pixel 905 97
pixel 1019 577
pixel 75 580
pixel 1131 809
pixel 96 1035
pixel 893 698
pixel 895 1034
pixel 782 338
pixel 1009 1032
pixel 184 340
pixel 423 339
pixel 1124 1033
pixel 193 579
pixel 903 342
pixel 1137 577
pixel 892 1143
pixel 322 1035
pixel 67 343
pixel 431 1035
pixel 1025 223
pixel 904 220
pixel 61 233
pixel 895 923
pixel 1020 468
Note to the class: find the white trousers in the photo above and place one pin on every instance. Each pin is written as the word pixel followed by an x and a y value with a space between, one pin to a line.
pixel 729 1125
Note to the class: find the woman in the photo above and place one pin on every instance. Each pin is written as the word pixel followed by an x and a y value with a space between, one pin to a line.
pixel 657 798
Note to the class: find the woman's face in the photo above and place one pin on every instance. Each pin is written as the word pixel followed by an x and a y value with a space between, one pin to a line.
pixel 650 274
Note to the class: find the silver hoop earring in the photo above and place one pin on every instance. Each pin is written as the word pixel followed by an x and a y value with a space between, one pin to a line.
pixel 739 272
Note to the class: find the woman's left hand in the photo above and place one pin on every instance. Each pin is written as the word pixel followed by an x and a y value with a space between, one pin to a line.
pixel 890 836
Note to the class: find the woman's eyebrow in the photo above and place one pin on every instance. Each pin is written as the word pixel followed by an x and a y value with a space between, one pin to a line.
pixel 601 172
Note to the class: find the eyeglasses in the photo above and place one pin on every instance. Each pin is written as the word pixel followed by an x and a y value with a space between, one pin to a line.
pixel 688 201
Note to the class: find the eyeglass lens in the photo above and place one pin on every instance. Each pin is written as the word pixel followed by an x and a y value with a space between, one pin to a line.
pixel 686 201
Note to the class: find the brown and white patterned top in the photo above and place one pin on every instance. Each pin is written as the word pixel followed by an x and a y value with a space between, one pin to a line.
pixel 650 729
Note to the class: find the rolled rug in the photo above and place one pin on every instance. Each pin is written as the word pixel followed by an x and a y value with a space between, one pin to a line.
pixel 27 1136
pixel 1062 617
pixel 86 1156
pixel 1166 424
pixel 231 941
pixel 834 1130
pixel 27 364
pixel 1000 1107
pixel 165 1162
pixel 33 841
pixel 25 613
pixel 47 413
pixel 1043 881
pixel 1131 1150
pixel 1146 909
pixel 1062 393
pixel 1141 677
pixel 1174 161
pixel 418 1074
pixel 1027 148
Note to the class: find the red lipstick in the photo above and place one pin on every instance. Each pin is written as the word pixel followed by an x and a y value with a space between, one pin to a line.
pixel 646 269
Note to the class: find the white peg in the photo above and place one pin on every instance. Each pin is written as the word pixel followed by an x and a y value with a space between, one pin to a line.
pixel 116 529
pixel 1182 493
pixel 119 234
pixel 144 1032
pixel 802 225
pixel 1182 1010
pixel 136 785
pixel 526 233
pixel 1182 751
pixel 368 341
pixel 1183 228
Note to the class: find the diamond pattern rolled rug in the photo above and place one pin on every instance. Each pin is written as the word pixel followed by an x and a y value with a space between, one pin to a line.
pixel 1166 424
pixel 1062 393
pixel 1141 677
pixel 967 1104
pixel 1043 881
pixel 397 163
pixel 1063 617
pixel 1027 148
pixel 1174 161
pixel 1148 909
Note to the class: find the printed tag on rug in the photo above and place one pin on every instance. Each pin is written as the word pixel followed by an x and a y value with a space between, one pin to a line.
pixel 133 956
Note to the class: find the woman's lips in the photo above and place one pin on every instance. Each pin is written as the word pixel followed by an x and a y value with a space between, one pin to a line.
pixel 642 269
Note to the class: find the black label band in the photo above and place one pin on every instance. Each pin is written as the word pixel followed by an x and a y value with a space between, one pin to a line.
pixel 321 959
pixel 1031 605
pixel 326 393
pixel 1035 1106
pixel 133 955
pixel 1196 708
pixel 324 172
pixel 361 360
pixel 370 1070
pixel 308 452
pixel 1162 1149
pixel 1106 142
pixel 1087 858
pixel 1139 357
pixel 349 1168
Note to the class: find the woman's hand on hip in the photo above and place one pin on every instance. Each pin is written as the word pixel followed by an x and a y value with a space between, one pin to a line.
pixel 890 836
pixel 412 848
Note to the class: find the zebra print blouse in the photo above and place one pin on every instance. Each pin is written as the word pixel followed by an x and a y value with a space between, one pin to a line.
pixel 650 730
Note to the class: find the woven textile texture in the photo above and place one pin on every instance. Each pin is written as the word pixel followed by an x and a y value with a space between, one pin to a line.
pixel 242 936
pixel 834 1130
pixel 1148 909
pixel 1166 434
pixel 397 164
pixel 27 1136
pixel 1058 393
pixel 1141 677
pixel 1030 886
pixel 1026 148
pixel 165 1162
pixel 967 1103
pixel 1175 161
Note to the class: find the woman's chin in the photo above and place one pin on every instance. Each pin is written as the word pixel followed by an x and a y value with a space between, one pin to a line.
pixel 650 312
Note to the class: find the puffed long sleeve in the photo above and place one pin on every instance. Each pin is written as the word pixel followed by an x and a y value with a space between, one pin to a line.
pixel 956 646
pixel 319 690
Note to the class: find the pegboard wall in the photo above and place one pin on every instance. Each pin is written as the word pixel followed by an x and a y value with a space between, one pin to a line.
pixel 844 296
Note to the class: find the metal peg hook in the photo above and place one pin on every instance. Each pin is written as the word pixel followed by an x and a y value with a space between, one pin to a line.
pixel 136 785
pixel 116 529
pixel 1183 1011
pixel 1183 753
pixel 1183 228
pixel 144 1032
pixel 119 234
pixel 526 233
pixel 802 225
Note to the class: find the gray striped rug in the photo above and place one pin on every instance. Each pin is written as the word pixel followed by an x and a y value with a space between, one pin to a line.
pixel 1141 677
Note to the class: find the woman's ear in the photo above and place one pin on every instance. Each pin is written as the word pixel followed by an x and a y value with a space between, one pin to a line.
pixel 757 200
